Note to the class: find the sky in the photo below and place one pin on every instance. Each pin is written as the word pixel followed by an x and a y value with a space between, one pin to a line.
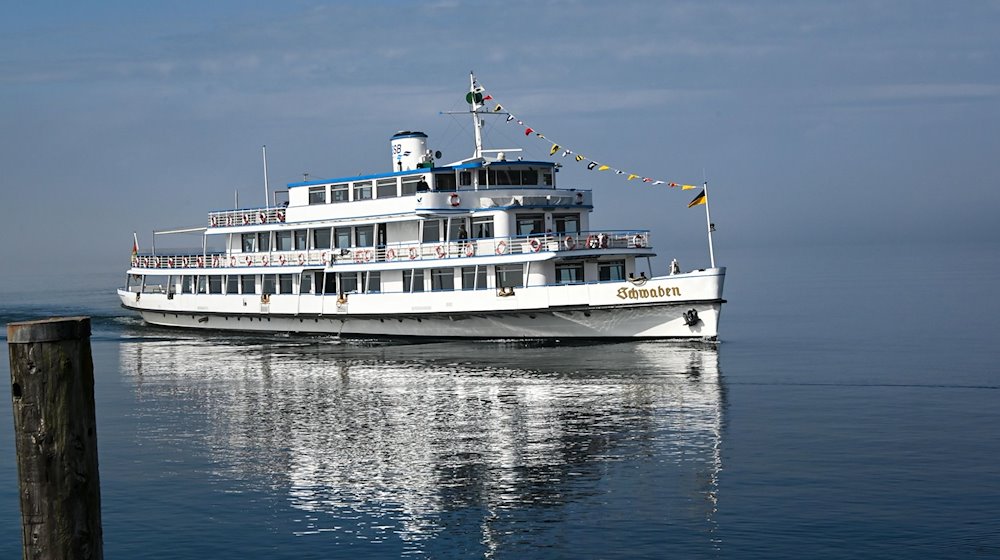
pixel 815 123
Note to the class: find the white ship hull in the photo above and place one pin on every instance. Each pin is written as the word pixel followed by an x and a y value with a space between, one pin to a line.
pixel 673 307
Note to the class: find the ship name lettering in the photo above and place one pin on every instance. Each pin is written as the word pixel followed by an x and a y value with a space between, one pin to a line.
pixel 648 293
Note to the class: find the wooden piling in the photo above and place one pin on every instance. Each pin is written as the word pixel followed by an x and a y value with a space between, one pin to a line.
pixel 55 429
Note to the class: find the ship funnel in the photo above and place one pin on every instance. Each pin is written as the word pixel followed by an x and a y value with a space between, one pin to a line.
pixel 409 151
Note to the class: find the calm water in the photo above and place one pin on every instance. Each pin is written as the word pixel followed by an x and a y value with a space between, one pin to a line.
pixel 851 412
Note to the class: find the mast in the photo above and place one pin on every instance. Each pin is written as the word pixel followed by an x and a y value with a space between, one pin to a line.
pixel 708 221
pixel 263 151
pixel 477 124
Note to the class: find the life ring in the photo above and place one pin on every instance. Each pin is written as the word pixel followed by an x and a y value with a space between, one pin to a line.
pixel 215 261
pixel 535 245
pixel 470 249
pixel 638 241
pixel 454 200
pixel 440 251
pixel 186 261
pixel 501 247
pixel 264 260
pixel 569 242
pixel 232 261
pixel 214 221
pixel 324 257
pixel 302 259
pixel 390 255
pixel 282 260
pixel 201 262
pixel 249 260
pixel 170 262
pixel 579 198
pixel 413 253
pixel 246 219
pixel 281 215
pixel 592 242
pixel 262 217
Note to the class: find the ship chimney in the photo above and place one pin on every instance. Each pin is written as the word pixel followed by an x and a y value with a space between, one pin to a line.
pixel 409 151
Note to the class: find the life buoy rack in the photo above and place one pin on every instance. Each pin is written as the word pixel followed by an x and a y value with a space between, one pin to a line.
pixel 593 242
pixel 535 245
pixel 569 242
pixel 579 198
pixel 639 241
pixel 454 200
pixel 302 259
pixel 390 255
pixel 501 247
pixel 470 249
pixel 412 253
pixel 439 250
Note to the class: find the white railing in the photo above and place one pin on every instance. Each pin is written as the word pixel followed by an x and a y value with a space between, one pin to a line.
pixel 246 217
pixel 406 252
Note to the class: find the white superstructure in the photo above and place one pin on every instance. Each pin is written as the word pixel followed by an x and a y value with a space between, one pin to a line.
pixel 481 248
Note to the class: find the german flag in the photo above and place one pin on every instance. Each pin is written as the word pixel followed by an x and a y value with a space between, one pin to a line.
pixel 700 199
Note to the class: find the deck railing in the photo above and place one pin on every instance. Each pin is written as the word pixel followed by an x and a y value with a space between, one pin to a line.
pixel 246 217
pixel 406 252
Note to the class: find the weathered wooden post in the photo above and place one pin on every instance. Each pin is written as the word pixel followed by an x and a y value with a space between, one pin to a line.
pixel 55 433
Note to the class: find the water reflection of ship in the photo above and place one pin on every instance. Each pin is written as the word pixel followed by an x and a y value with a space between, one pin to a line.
pixel 404 434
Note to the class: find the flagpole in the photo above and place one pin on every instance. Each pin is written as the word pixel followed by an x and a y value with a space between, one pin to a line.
pixel 708 221
pixel 263 151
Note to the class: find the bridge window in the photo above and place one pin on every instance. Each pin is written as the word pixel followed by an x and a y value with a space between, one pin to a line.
pixel 611 271
pixel 569 273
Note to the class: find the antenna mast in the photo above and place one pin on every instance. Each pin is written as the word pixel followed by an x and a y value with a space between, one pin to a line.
pixel 263 151
pixel 477 124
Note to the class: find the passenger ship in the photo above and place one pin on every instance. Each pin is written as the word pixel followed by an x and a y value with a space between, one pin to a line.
pixel 486 247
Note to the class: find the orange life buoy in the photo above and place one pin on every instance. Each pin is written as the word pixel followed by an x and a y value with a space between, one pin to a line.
pixel 535 245
pixel 454 200
pixel 413 253
pixel 281 215
pixel 264 260
pixel 282 260
pixel 302 259
pixel 470 249
pixel 201 262
pixel 501 247
pixel 638 241
pixel 440 251
pixel 592 242
pixel 249 260
pixel 246 219
pixel 570 242
pixel 262 217
pixel 390 255
pixel 232 261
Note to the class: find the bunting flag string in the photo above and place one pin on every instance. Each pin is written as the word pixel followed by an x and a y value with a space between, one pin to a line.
pixel 591 164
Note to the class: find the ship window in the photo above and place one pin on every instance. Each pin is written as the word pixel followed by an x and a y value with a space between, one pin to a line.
pixel 528 224
pixel 282 241
pixel 317 195
pixel 567 223
pixel 247 285
pixel 264 241
pixel 203 284
pixel 249 242
pixel 232 284
pixel 365 236
pixel 348 282
pixel 386 188
pixel 569 273
pixel 342 237
pixel 413 280
pixel 507 177
pixel 547 178
pixel 267 284
pixel 482 228
pixel 444 182
pixel 363 190
pixel 187 284
pixel 611 271
pixel 284 283
pixel 300 240
pixel 465 178
pixel 529 177
pixel 321 238
pixel 330 284
pixel 339 193
pixel 510 276
pixel 215 284
pixel 432 231
pixel 410 184
pixel 442 279
pixel 374 282
pixel 454 233
pixel 473 277
pixel 305 282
